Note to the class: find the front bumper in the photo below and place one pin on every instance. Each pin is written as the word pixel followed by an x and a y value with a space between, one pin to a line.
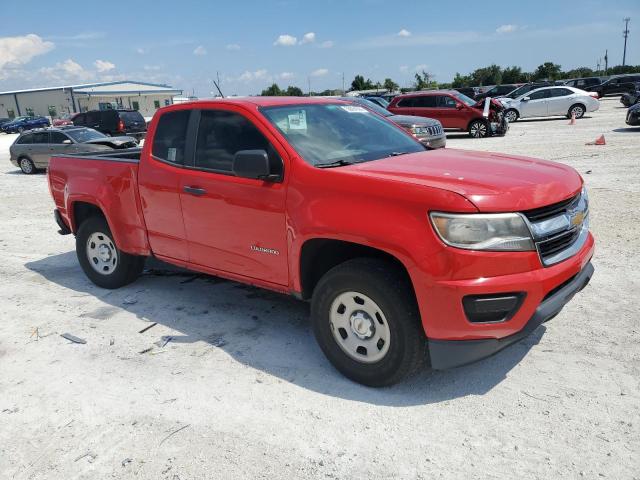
pixel 500 127
pixel 454 353
pixel 633 119
pixel 439 141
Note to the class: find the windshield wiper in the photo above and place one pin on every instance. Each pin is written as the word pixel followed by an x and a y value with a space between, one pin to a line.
pixel 397 154
pixel 337 163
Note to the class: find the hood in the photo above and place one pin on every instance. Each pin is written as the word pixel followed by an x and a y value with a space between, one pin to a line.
pixel 116 141
pixel 409 120
pixel 493 182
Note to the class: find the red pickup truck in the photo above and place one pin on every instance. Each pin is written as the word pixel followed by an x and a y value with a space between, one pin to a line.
pixel 407 255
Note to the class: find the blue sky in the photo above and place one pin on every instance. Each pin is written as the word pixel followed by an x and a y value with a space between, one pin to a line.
pixel 254 43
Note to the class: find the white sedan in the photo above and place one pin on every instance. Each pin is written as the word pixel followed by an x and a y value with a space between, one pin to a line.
pixel 550 101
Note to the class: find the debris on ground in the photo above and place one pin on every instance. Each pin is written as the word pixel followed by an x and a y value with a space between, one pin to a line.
pixel 130 301
pixel 126 461
pixel 146 350
pixel 148 327
pixel 173 433
pixel 73 338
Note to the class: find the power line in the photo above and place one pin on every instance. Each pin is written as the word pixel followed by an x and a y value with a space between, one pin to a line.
pixel 625 34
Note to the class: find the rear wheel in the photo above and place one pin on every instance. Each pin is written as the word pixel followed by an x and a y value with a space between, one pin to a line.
pixel 478 129
pixel 101 260
pixel 27 166
pixel 366 321
pixel 511 115
pixel 578 110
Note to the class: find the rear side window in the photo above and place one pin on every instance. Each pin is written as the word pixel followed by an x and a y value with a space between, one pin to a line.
pixel 24 139
pixel 130 118
pixel 92 118
pixel 170 138
pixel 41 137
pixel 220 135
pixel 426 101
pixel 560 92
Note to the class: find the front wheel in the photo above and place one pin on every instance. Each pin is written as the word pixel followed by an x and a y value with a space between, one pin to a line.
pixel 101 260
pixel 366 321
pixel 478 129
pixel 577 110
pixel 511 115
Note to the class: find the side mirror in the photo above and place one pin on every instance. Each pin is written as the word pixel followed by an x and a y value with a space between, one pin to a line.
pixel 253 164
pixel 526 99
pixel 67 142
pixel 459 106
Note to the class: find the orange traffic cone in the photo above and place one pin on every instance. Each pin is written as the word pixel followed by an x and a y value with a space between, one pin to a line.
pixel 573 119
pixel 598 141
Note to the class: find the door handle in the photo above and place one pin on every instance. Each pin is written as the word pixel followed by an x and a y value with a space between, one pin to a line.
pixel 194 190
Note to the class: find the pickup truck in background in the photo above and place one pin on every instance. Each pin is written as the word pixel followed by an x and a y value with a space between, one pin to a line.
pixel 407 255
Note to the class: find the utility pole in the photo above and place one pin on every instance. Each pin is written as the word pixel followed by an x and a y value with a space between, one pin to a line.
pixel 309 84
pixel 343 83
pixel 625 34
pixel 606 61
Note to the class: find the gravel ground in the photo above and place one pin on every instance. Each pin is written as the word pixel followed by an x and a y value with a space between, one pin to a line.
pixel 242 390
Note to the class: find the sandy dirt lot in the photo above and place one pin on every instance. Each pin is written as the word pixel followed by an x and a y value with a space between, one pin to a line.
pixel 242 390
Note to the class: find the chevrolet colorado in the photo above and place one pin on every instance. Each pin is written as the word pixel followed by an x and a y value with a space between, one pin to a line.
pixel 407 255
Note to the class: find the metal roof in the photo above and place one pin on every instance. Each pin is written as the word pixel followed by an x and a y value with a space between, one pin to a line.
pixel 125 86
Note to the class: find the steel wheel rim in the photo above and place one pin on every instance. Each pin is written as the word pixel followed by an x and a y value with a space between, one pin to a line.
pixel 26 166
pixel 102 253
pixel 577 112
pixel 478 130
pixel 359 327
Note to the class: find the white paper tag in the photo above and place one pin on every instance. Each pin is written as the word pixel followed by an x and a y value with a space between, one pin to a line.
pixel 298 120
pixel 354 109
pixel 171 154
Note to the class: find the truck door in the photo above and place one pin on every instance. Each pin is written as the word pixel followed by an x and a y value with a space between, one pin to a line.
pixel 233 224
pixel 159 182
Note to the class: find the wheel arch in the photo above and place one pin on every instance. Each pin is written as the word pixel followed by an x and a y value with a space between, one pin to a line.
pixel 476 119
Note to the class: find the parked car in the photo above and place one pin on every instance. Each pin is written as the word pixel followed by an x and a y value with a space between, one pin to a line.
pixel 427 130
pixel 586 83
pixel 20 124
pixel 633 115
pixel 32 150
pixel 617 85
pixel 400 250
pixel 4 120
pixel 631 98
pixel 551 101
pixel 378 100
pixel 66 119
pixel 527 87
pixel 470 92
pixel 454 111
pixel 498 91
pixel 113 122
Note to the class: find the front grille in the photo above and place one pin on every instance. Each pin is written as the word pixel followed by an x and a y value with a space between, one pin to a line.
pixel 434 130
pixel 543 213
pixel 558 243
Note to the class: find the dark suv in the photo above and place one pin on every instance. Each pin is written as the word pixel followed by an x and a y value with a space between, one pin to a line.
pixel 617 85
pixel 113 122
pixel 586 83
pixel 498 91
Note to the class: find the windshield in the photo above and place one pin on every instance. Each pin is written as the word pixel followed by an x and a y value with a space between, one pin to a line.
pixel 19 118
pixel 520 91
pixel 339 134
pixel 81 135
pixel 464 99
pixel 371 106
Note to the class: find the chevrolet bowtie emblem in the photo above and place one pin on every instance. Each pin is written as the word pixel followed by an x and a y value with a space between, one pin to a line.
pixel 577 218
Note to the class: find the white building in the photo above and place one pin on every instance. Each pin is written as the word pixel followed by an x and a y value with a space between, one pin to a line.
pixel 56 101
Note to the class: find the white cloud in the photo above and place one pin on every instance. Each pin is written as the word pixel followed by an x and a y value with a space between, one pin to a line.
pixel 200 50
pixel 140 51
pixel 404 68
pixel 286 75
pixel 320 72
pixel 506 28
pixel 20 50
pixel 308 38
pixel 248 76
pixel 404 33
pixel 233 46
pixel 431 39
pixel 327 44
pixel 104 65
pixel 285 41
pixel 67 71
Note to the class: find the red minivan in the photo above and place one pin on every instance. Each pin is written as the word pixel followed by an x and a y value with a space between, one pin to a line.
pixel 454 110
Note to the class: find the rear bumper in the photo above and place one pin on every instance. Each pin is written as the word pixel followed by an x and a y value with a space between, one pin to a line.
pixel 454 353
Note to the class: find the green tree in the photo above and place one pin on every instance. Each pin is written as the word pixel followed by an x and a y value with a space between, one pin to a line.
pixel 273 91
pixel 294 91
pixel 619 69
pixel 424 80
pixel 491 75
pixel 513 75
pixel 547 71
pixel 359 83
pixel 390 85
pixel 461 81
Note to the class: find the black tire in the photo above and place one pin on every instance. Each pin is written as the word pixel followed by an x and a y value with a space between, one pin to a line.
pixel 578 109
pixel 511 112
pixel 383 283
pixel 127 268
pixel 27 166
pixel 478 129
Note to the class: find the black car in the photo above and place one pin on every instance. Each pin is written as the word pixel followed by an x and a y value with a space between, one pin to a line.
pixel 498 91
pixel 617 85
pixel 586 83
pixel 113 122
pixel 470 92
pixel 527 87
pixel 631 98
pixel 633 115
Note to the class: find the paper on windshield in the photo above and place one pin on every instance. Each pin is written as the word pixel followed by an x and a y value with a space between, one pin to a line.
pixel 354 109
pixel 298 120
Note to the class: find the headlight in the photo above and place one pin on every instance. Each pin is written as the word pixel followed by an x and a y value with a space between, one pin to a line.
pixel 494 231
pixel 419 130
